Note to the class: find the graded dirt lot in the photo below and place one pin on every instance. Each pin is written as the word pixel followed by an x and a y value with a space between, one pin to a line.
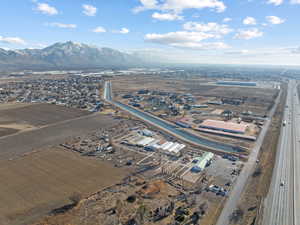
pixel 34 185
pixel 15 145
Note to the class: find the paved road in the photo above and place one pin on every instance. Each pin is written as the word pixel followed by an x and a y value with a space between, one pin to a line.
pixel 234 197
pixel 282 205
pixel 232 201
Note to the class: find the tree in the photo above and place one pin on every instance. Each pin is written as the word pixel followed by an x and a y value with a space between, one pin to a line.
pixel 237 215
pixel 75 198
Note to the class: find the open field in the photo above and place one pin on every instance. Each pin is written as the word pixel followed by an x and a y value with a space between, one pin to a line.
pixel 41 181
pixel 38 114
pixel 7 131
pixel 20 143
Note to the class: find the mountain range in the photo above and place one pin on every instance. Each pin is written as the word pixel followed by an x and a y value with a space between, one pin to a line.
pixel 67 55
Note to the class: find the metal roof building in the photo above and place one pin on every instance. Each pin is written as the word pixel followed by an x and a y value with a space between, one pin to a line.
pixel 201 162
pixel 224 126
pixel 237 83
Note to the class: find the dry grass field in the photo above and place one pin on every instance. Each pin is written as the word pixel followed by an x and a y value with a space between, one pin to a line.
pixel 38 114
pixel 15 117
pixel 33 185
pixel 15 145
pixel 7 131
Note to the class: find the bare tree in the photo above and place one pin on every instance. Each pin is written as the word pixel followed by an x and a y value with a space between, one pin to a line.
pixel 75 198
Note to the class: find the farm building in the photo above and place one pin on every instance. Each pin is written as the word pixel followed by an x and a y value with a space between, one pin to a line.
pixel 224 126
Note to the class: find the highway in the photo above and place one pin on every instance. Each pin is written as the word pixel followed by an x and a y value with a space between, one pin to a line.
pixel 282 204
pixel 172 129
pixel 249 167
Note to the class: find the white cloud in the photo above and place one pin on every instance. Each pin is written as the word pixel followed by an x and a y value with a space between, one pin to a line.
pixel 99 30
pixel 89 10
pixel 177 6
pixel 202 46
pixel 275 2
pixel 275 20
pixel 63 25
pixel 295 2
pixel 193 35
pixel 295 50
pixel 249 21
pixel 238 52
pixel 249 34
pixel 186 39
pixel 12 40
pixel 177 37
pixel 166 16
pixel 216 29
pixel 124 30
pixel 46 9
pixel 226 20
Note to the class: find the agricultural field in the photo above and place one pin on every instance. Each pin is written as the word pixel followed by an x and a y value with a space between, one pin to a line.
pixel 16 145
pixel 44 180
pixel 36 115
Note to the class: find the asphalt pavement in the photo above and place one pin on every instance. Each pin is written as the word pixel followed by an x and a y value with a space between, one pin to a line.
pixel 282 204
pixel 234 197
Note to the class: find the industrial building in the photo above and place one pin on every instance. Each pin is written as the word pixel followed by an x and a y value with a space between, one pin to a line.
pixel 237 83
pixel 152 144
pixel 146 133
pixel 224 126
pixel 170 148
pixel 199 106
pixel 202 162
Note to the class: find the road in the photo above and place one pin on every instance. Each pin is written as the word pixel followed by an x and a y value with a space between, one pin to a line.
pixel 234 197
pixel 282 205
pixel 172 129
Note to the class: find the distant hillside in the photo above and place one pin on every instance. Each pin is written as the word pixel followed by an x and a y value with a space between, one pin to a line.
pixel 68 55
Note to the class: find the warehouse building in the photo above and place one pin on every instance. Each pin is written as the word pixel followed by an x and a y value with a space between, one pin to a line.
pixel 224 126
pixel 202 162
pixel 170 148
pixel 146 133
pixel 153 144
pixel 237 83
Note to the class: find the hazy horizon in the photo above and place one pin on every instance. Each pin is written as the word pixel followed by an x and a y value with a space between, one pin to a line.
pixel 261 32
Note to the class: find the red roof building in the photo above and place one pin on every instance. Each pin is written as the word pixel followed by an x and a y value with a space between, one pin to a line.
pixel 224 126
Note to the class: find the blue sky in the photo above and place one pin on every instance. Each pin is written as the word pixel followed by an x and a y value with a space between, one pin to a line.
pixel 195 31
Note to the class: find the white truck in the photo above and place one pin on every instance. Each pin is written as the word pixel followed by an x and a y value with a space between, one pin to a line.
pixel 284 123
